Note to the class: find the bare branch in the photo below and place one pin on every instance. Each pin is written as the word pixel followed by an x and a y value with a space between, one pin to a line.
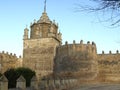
pixel 109 8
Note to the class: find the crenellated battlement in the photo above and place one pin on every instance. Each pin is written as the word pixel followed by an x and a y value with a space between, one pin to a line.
pixel 9 60
pixel 13 55
pixel 110 53
pixel 109 56
pixel 73 48
pixel 8 54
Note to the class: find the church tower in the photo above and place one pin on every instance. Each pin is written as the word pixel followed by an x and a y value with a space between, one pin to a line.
pixel 39 49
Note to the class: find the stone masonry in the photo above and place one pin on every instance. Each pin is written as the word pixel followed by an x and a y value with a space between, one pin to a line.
pixel 9 60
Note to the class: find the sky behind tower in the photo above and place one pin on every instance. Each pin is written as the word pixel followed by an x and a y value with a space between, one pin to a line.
pixel 15 15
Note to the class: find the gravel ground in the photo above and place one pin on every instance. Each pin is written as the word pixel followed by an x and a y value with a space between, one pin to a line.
pixel 100 87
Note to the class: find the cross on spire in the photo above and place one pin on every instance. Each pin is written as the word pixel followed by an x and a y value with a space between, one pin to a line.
pixel 45 6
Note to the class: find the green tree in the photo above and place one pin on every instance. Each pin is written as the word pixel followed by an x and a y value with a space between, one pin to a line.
pixel 13 74
pixel 27 74
pixel 12 77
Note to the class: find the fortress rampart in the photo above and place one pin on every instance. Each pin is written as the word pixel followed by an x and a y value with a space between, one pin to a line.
pixel 109 66
pixel 9 60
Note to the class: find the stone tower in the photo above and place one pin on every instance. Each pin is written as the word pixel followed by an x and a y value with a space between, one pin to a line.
pixel 39 49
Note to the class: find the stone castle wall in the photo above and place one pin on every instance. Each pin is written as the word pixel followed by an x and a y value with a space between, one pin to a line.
pixel 109 67
pixel 9 61
pixel 77 59
pixel 82 61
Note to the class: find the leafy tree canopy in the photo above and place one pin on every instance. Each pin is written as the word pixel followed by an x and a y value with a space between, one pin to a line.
pixel 13 74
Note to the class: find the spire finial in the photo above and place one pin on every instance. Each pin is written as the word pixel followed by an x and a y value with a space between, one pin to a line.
pixel 45 6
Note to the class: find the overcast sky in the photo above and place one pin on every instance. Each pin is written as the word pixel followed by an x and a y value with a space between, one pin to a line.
pixel 16 14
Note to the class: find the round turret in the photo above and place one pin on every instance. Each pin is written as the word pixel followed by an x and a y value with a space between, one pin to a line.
pixel 78 59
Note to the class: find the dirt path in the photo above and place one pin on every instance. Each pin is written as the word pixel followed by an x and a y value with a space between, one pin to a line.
pixel 100 87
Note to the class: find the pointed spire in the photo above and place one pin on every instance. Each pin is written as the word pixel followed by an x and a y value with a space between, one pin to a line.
pixel 45 6
pixel 44 18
